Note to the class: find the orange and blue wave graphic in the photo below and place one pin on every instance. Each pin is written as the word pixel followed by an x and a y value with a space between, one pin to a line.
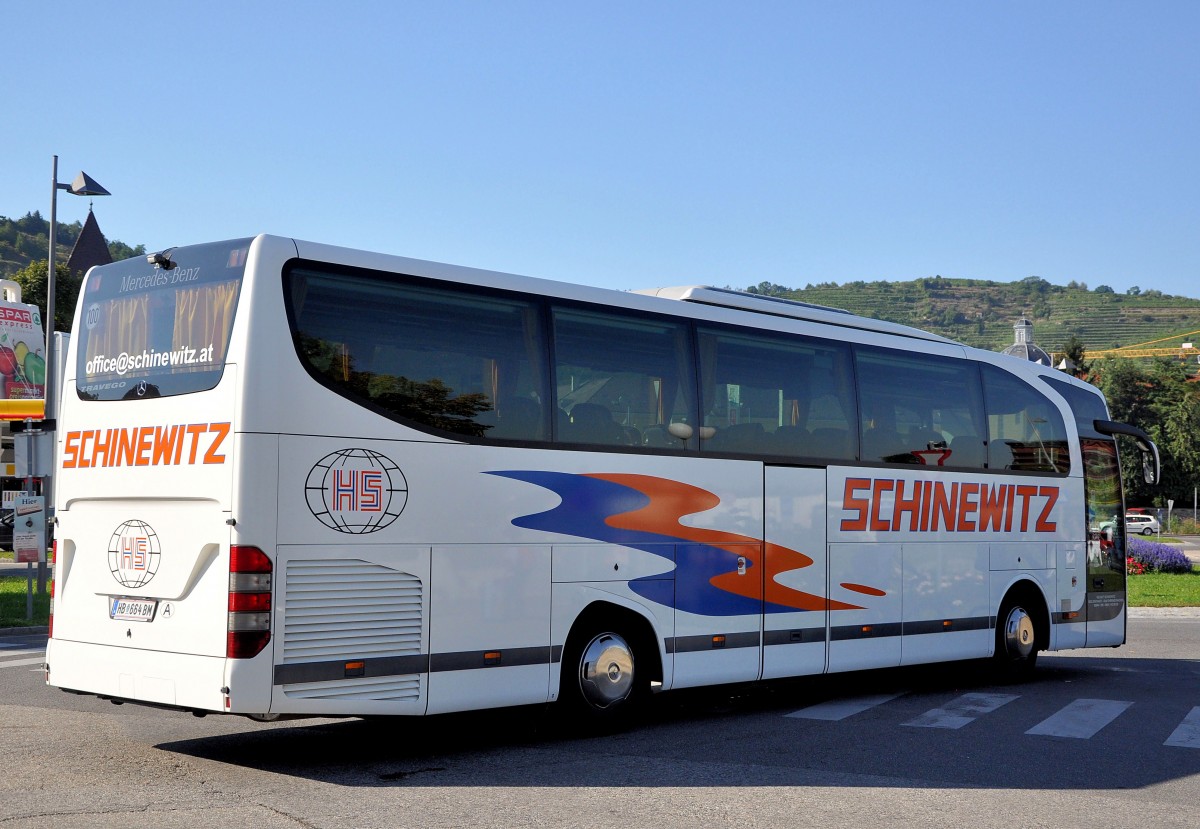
pixel 644 512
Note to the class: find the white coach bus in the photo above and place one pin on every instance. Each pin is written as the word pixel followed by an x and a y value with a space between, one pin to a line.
pixel 295 479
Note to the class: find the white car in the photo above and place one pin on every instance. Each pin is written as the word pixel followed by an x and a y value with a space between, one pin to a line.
pixel 1142 525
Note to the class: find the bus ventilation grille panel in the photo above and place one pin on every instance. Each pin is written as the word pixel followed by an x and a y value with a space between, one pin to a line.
pixel 337 610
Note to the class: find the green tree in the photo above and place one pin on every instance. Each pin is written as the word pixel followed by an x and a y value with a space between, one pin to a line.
pixel 768 289
pixel 1127 389
pixel 1163 403
pixel 1176 404
pixel 1074 350
pixel 119 250
pixel 32 280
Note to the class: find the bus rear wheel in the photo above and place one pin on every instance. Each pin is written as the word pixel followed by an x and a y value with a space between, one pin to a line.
pixel 602 685
pixel 1016 638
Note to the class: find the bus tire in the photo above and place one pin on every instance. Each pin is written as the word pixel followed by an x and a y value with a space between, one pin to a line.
pixel 1017 636
pixel 604 680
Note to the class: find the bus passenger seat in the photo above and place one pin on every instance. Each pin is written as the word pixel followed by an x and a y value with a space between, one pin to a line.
pixel 593 423
pixel 1000 455
pixel 793 440
pixel 518 418
pixel 740 437
pixel 966 450
pixel 883 444
pixel 659 437
pixel 829 442
pixel 919 439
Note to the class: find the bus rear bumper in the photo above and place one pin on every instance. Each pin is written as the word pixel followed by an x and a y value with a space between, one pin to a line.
pixel 170 680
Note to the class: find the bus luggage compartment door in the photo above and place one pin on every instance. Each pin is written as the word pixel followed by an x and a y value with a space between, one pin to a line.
pixel 352 629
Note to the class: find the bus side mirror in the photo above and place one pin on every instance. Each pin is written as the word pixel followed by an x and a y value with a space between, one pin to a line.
pixel 1150 467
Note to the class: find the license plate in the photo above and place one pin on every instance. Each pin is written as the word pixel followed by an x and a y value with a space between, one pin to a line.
pixel 133 610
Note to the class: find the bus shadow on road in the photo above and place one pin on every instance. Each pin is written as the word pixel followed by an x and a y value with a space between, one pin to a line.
pixel 694 738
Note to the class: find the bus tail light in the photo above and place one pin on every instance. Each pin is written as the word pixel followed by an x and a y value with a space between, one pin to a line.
pixel 53 559
pixel 249 627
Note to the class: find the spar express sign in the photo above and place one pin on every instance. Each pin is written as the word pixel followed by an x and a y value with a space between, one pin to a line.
pixel 22 352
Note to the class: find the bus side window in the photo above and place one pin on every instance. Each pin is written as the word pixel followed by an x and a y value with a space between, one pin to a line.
pixel 621 379
pixel 765 393
pixel 1025 430
pixel 437 357
pixel 919 409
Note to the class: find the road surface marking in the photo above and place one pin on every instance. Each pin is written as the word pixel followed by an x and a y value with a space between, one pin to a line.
pixel 22 652
pixel 962 711
pixel 13 663
pixel 1081 719
pixel 1187 735
pixel 840 709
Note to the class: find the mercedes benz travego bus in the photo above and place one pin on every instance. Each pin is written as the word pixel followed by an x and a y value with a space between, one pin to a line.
pixel 295 479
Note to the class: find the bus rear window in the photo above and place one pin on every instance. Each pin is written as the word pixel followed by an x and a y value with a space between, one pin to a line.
pixel 154 331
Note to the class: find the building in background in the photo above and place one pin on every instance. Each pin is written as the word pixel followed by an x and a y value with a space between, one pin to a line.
pixel 90 249
pixel 1023 345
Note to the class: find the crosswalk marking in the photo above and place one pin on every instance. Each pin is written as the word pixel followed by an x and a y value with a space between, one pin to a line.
pixel 840 709
pixel 1081 719
pixel 962 711
pixel 20 655
pixel 21 652
pixel 13 663
pixel 1187 735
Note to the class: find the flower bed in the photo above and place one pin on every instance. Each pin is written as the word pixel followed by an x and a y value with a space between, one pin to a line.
pixel 1155 557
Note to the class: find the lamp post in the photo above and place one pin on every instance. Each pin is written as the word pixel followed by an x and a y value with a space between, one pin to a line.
pixel 83 185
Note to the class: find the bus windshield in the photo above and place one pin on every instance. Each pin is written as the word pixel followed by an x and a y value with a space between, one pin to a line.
pixel 156 330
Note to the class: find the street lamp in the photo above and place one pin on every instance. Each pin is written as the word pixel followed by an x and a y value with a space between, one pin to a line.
pixel 83 185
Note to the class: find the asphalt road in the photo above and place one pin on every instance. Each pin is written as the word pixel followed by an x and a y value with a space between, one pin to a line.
pixel 1105 738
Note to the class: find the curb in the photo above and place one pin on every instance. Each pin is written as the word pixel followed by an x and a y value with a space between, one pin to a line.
pixel 31 630
pixel 1164 613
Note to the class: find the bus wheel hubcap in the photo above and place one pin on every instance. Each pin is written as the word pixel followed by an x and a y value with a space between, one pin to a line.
pixel 606 670
pixel 1018 634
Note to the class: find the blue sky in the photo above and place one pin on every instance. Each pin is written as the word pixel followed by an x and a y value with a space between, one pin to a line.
pixel 631 145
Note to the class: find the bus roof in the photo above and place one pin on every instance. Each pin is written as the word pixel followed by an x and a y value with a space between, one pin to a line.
pixel 780 307
pixel 724 298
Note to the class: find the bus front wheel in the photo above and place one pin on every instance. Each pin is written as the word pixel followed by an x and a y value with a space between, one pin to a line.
pixel 1016 637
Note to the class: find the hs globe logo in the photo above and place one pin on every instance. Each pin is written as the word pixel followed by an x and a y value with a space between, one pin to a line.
pixel 356 491
pixel 134 553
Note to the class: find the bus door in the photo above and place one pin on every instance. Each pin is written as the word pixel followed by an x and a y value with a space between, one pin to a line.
pixel 719 583
pixel 1105 579
pixel 795 620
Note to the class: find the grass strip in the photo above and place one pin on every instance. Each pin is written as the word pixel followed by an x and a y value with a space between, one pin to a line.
pixel 13 591
pixel 1165 589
